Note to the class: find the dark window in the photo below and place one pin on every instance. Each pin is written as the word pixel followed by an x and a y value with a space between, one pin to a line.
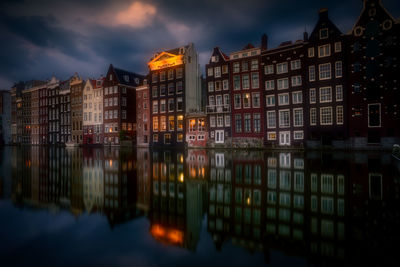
pixel 374 115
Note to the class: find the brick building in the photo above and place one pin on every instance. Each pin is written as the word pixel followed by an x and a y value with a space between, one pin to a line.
pixel 65 112
pixel 77 84
pixel 119 91
pixel 143 115
pixel 373 66
pixel 93 112
pixel 218 106
pixel 247 89
pixel 175 91
pixel 53 105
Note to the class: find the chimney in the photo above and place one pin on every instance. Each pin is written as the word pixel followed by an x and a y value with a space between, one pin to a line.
pixel 264 42
pixel 323 13
pixel 305 36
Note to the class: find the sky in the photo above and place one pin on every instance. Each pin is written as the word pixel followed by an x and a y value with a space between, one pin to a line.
pixel 42 38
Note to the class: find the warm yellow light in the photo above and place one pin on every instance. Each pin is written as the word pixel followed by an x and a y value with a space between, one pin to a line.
pixel 175 236
pixel 111 163
pixel 248 201
pixel 181 158
pixel 157 231
pixel 192 122
pixel 110 130
pixel 181 178
pixel 165 60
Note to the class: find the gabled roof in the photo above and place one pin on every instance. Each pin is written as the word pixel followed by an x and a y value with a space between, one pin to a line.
pixel 218 52
pixel 323 22
pixel 126 77
pixel 363 12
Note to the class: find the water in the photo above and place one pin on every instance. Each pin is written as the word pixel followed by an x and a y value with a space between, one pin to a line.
pixel 123 207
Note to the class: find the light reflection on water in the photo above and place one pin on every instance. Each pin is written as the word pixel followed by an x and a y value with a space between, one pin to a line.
pixel 115 206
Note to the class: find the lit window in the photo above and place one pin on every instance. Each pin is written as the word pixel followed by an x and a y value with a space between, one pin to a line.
pixel 311 52
pixel 324 50
pixel 246 101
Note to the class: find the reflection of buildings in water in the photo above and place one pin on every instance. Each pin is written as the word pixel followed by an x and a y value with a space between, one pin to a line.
pixel 119 185
pixel 176 201
pixel 77 206
pixel 93 180
pixel 220 197
pixel 143 179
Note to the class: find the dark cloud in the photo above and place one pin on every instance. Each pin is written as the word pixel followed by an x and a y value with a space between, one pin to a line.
pixel 46 37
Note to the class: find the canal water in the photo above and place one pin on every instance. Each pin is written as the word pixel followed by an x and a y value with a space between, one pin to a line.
pixel 124 207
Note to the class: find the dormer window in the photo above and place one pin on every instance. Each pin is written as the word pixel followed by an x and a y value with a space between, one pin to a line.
pixel 111 77
pixel 137 80
pixel 126 78
pixel 215 59
pixel 323 33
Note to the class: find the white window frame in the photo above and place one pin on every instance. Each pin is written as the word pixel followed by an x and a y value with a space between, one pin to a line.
pixel 321 113
pixel 295 97
pixel 338 67
pixel 295 64
pixel 280 68
pixel 338 99
pixel 270 85
pixel 339 122
pixel 311 52
pixel 269 69
pixel 323 95
pixel 288 112
pixel 327 33
pixel 320 66
pixel 268 122
pixel 283 79
pixel 298 132
pixel 283 103
pixel 270 97
pixel 326 50
pixel 338 47
pixel 311 73
pixel 296 80
pixel 313 116
pixel 210 71
pixel 294 117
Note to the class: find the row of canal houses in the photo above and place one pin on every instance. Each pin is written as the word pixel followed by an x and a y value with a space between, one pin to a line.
pixel 328 89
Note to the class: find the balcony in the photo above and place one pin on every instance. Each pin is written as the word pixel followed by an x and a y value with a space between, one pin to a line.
pixel 213 109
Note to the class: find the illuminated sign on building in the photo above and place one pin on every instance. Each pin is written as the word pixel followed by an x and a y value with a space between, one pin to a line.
pixel 165 60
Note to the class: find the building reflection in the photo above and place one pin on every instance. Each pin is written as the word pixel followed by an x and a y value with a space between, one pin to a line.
pixel 323 207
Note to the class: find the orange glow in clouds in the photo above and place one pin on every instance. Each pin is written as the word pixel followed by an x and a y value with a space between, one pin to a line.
pixel 137 15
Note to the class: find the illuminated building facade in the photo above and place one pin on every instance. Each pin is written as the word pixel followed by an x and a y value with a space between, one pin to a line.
pixel 284 94
pixel 65 112
pixel 53 100
pixel 373 67
pixel 77 84
pixel 119 119
pixel 143 115
pixel 93 112
pixel 246 94
pixel 218 107
pixel 35 112
pixel 175 91
pixel 196 129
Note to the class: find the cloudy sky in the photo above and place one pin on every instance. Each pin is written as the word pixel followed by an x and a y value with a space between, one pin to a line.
pixel 41 38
